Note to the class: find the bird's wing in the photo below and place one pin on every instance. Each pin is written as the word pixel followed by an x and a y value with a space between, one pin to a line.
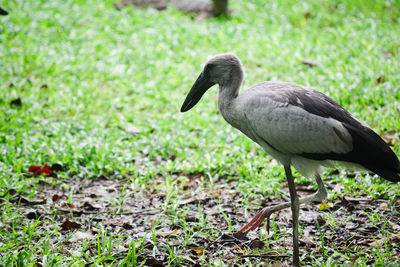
pixel 278 117
pixel 293 130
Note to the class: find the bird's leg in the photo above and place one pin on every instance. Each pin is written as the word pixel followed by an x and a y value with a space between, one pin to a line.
pixel 295 205
pixel 266 212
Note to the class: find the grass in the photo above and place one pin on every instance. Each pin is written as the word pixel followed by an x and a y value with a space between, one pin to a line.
pixel 101 92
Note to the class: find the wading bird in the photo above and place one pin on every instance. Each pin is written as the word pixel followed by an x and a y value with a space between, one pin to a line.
pixel 298 126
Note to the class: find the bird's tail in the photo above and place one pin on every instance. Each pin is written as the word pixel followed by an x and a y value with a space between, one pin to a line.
pixel 392 175
pixel 373 153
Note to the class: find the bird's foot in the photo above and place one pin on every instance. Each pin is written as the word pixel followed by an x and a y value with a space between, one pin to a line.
pixel 265 213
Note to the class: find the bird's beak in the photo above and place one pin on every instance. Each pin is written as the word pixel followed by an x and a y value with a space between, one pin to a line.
pixel 198 89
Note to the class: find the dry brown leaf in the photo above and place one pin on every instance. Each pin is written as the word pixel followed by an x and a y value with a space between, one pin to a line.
pixel 68 225
pixel 165 234
pixel 68 205
pixel 58 197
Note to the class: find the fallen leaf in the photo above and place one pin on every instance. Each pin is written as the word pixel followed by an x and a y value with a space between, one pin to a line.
pixel 68 225
pixel 34 168
pixel 166 234
pixel 68 205
pixel 45 170
pixel 198 250
pixel 58 197
pixel 40 170
pixel 324 206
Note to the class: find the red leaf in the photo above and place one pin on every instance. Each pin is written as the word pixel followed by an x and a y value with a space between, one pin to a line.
pixel 34 168
pixel 45 171
pixel 40 170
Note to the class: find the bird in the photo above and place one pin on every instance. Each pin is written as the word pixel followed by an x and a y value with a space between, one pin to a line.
pixel 298 126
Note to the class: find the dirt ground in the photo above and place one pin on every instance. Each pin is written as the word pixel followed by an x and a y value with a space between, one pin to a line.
pixel 82 209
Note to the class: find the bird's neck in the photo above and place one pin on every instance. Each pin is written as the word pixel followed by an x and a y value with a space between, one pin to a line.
pixel 230 90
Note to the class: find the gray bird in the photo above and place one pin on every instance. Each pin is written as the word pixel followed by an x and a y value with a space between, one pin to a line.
pixel 298 126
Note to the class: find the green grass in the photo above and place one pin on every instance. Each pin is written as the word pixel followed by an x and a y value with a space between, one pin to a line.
pixel 86 73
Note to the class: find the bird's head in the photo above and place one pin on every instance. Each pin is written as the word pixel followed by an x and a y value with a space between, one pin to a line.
pixel 222 69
